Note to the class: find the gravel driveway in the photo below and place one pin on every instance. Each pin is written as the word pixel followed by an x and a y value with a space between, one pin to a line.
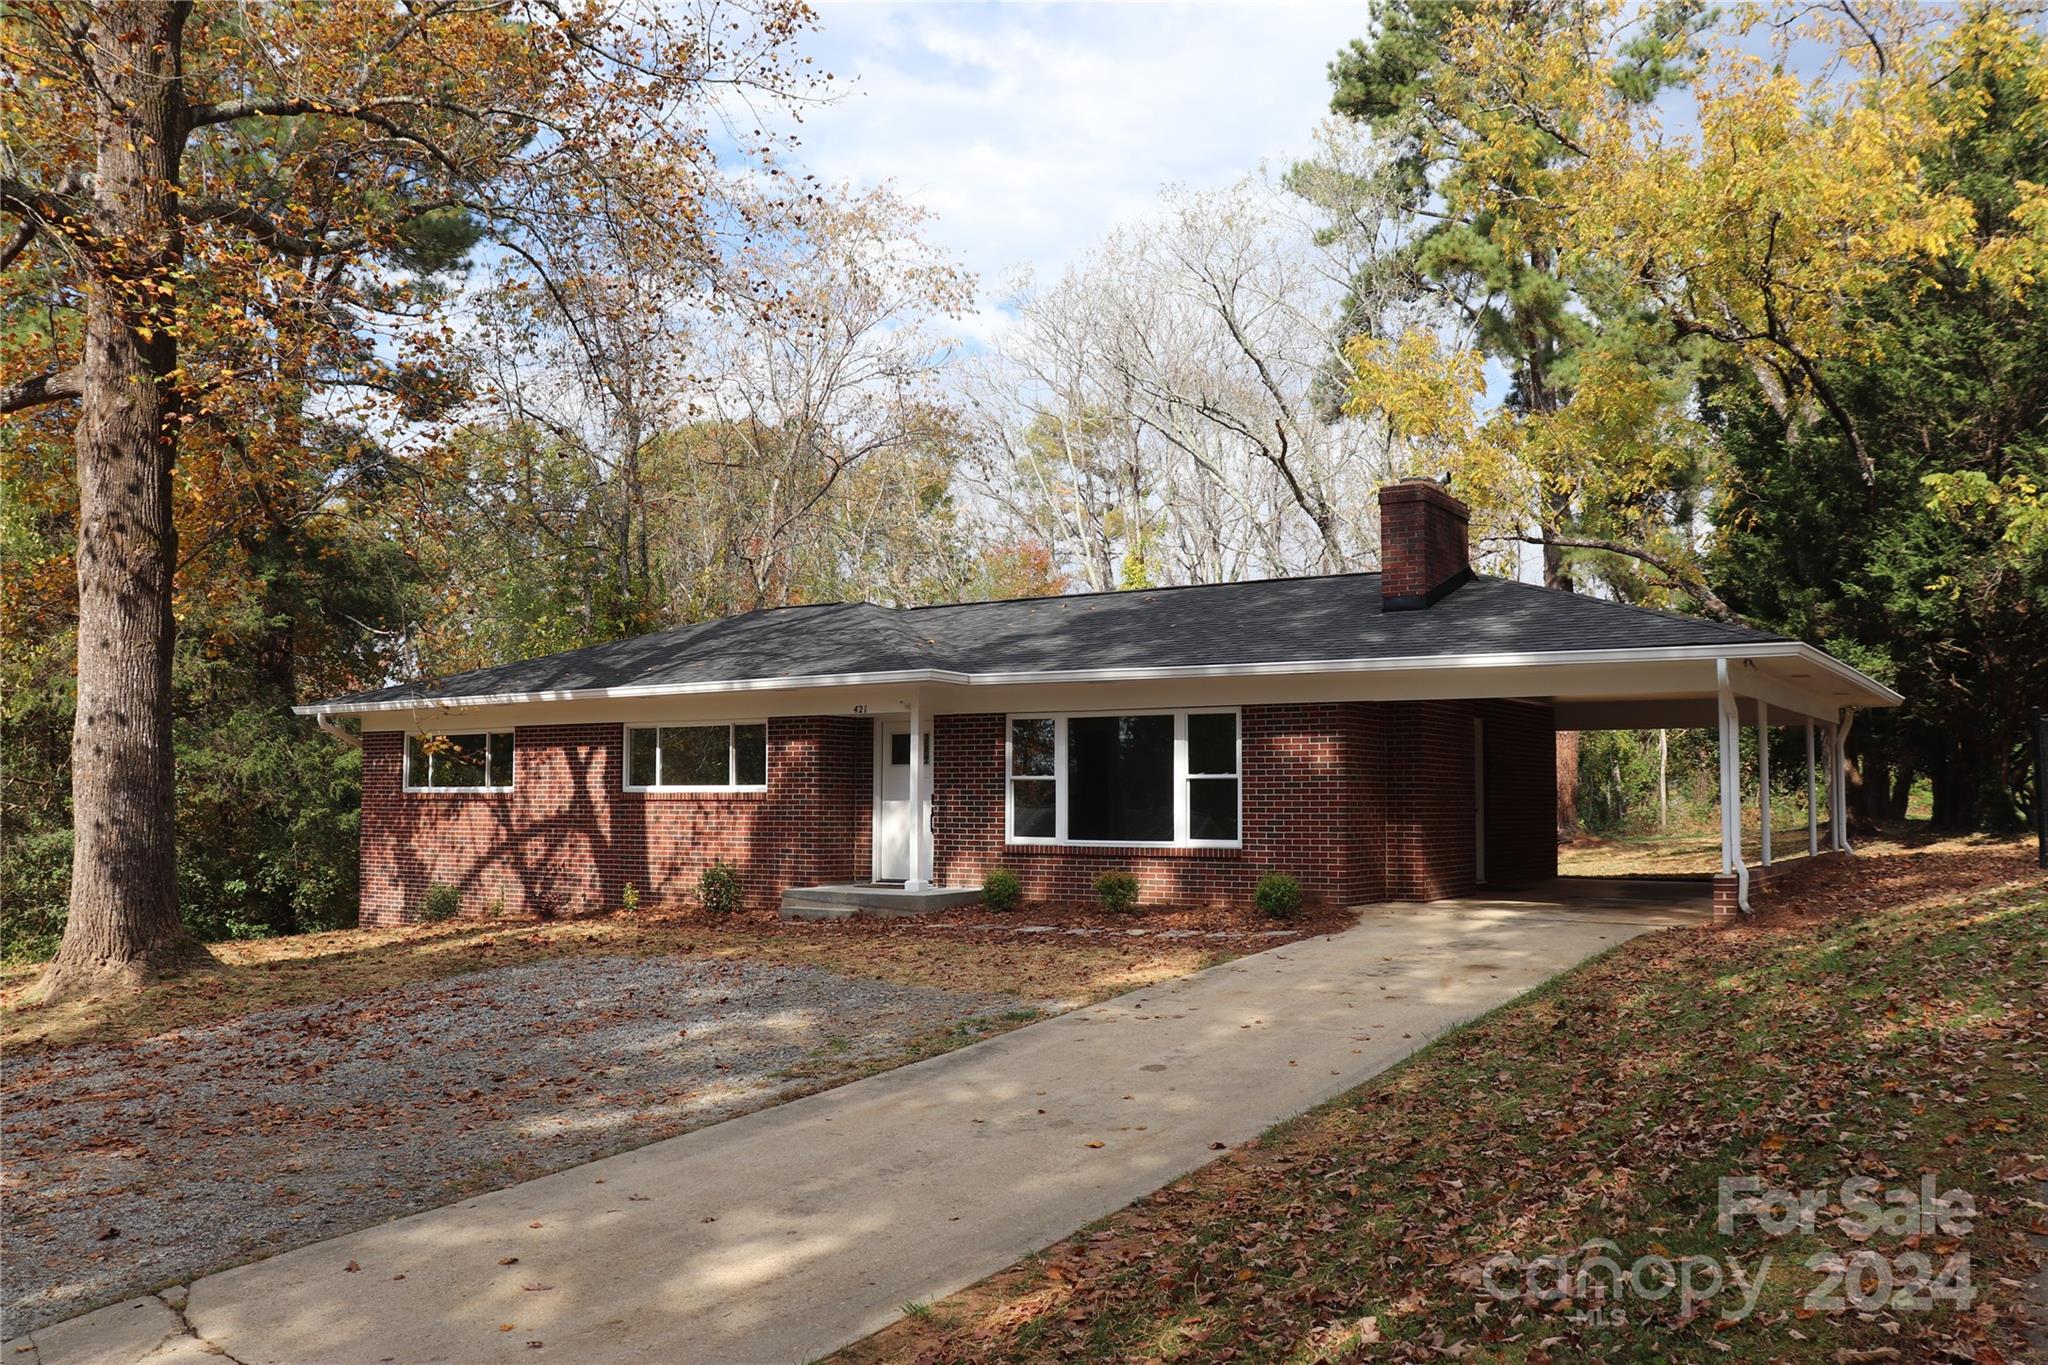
pixel 129 1166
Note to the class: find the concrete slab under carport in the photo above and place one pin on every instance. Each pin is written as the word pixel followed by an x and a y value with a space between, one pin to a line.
pixel 1651 902
pixel 795 1230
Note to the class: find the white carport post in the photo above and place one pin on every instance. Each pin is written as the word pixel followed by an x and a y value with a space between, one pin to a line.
pixel 919 817
pixel 1731 786
pixel 1763 775
pixel 1812 804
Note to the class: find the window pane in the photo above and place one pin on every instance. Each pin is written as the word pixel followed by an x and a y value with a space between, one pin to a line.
pixel 459 762
pixel 899 750
pixel 1120 778
pixel 1212 744
pixel 1212 808
pixel 415 761
pixel 695 756
pixel 750 755
pixel 501 759
pixel 1031 748
pixel 640 758
pixel 1032 812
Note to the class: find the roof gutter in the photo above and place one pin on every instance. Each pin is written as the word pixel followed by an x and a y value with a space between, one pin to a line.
pixel 1774 649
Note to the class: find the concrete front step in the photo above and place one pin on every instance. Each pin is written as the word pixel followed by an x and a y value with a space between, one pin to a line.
pixel 846 901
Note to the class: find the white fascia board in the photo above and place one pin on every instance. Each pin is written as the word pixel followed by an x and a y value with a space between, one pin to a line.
pixel 1867 691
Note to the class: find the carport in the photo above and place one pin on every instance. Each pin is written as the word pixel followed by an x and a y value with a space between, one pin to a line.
pixel 1768 687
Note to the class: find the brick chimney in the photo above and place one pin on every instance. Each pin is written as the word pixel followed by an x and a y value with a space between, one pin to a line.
pixel 1423 544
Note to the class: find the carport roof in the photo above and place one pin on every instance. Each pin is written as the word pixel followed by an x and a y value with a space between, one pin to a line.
pixel 1266 626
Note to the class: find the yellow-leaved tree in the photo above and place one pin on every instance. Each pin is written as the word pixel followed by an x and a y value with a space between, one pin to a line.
pixel 1743 220
pixel 219 216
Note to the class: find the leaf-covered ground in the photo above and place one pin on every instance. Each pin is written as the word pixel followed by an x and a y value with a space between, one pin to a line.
pixel 325 1082
pixel 1891 1024
pixel 967 950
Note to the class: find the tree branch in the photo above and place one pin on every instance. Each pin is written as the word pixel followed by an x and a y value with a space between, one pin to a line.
pixel 41 389
pixel 263 229
pixel 1682 577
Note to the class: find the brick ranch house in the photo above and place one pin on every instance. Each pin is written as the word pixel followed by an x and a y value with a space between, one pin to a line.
pixel 1383 736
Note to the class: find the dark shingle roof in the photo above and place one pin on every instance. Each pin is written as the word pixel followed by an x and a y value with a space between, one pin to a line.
pixel 1273 621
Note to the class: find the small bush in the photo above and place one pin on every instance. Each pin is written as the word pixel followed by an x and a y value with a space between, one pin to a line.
pixel 718 890
pixel 1000 889
pixel 629 899
pixel 442 902
pixel 1118 892
pixel 1279 895
pixel 494 908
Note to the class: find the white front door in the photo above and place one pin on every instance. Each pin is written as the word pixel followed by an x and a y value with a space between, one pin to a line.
pixel 892 802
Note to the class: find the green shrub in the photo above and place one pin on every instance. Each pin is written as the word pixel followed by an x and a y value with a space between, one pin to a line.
pixel 1000 889
pixel 442 902
pixel 1279 895
pixel 35 890
pixel 1118 892
pixel 629 899
pixel 718 890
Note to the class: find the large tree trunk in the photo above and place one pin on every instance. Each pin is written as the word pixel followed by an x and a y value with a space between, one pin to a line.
pixel 123 927
pixel 1556 576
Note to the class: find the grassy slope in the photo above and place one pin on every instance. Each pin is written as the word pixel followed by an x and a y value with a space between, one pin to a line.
pixel 1893 1025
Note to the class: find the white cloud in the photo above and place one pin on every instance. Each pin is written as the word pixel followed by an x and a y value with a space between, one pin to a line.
pixel 1031 130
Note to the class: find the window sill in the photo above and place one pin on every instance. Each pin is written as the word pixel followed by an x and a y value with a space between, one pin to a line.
pixel 695 791
pixel 1069 848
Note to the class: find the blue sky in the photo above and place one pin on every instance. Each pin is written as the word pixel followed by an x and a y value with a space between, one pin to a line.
pixel 1028 130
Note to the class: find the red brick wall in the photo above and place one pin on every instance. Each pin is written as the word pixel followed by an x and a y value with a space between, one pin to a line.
pixel 1424 538
pixel 567 836
pixel 1311 806
pixel 1363 801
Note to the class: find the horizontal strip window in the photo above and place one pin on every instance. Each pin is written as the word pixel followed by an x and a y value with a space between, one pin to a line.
pixel 1166 779
pixel 471 762
pixel 697 758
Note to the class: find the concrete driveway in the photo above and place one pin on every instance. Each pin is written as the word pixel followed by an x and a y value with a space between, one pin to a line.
pixel 788 1233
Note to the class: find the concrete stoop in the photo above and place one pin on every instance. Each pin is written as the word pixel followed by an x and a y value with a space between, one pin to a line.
pixel 845 900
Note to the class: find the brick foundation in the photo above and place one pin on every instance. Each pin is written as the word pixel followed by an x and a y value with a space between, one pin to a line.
pixel 1779 879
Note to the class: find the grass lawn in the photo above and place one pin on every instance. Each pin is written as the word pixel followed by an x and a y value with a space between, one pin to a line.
pixel 1890 1025
pixel 972 951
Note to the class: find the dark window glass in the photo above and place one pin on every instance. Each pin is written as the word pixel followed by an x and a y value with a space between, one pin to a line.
pixel 1033 814
pixel 1120 778
pixel 899 750
pixel 1212 744
pixel 501 759
pixel 750 755
pixel 479 760
pixel 640 758
pixel 1212 808
pixel 1031 748
pixel 695 756
pixel 459 762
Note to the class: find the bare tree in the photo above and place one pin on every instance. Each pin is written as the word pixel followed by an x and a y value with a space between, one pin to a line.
pixel 1162 412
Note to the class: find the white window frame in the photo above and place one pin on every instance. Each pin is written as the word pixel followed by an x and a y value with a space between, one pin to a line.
pixel 732 756
pixel 405 761
pixel 1059 721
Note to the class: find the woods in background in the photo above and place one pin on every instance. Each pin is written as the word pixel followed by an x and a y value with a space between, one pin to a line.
pixel 489 330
